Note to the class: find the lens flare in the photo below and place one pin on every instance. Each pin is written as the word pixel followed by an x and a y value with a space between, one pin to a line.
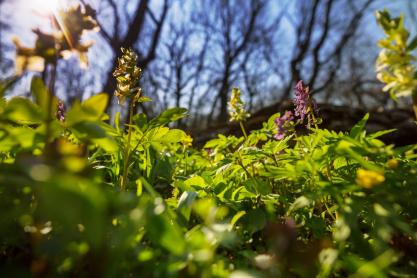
pixel 45 7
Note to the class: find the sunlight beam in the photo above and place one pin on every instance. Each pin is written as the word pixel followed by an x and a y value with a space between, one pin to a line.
pixel 45 7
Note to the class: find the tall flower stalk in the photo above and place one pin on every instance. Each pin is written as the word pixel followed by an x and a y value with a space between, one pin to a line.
pixel 305 105
pixel 127 75
pixel 237 110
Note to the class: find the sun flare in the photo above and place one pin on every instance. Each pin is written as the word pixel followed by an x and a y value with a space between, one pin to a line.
pixel 45 7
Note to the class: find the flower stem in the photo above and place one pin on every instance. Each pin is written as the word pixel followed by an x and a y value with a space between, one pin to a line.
pixel 185 159
pixel 243 129
pixel 314 118
pixel 127 148
pixel 329 211
pixel 51 95
pixel 53 72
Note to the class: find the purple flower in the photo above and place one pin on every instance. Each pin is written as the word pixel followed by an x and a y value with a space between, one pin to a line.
pixel 60 111
pixel 301 100
pixel 305 106
pixel 283 124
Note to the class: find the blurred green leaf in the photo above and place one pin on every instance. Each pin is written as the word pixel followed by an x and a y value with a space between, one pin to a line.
pixel 90 110
pixel 196 182
pixel 41 95
pixel 254 220
pixel 185 203
pixel 359 127
pixel 168 116
pixel 23 111
pixel 165 233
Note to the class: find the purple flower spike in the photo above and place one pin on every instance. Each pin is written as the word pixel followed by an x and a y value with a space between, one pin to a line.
pixel 283 124
pixel 60 111
pixel 301 100
pixel 305 106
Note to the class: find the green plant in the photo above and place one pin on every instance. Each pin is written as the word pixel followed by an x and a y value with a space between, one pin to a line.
pixel 127 75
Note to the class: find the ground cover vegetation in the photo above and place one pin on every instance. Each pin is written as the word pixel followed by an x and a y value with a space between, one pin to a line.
pixel 81 195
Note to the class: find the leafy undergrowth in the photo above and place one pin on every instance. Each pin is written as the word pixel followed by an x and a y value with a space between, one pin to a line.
pixel 320 204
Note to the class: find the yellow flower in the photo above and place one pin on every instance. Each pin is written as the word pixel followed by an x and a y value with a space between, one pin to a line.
pixel 368 179
pixel 127 76
pixel 236 107
pixel 187 141
pixel 392 164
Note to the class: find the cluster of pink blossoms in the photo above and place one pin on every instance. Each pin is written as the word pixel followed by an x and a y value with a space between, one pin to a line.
pixel 60 111
pixel 305 107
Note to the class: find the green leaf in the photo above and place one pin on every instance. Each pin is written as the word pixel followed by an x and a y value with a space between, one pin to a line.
pixel 42 95
pixel 359 127
pixel 271 120
pixel 23 111
pixel 40 92
pixel 139 187
pixel 255 220
pixel 163 231
pixel 88 130
pixel 185 203
pixel 141 120
pixel 348 149
pixel 107 143
pixel 144 99
pixel 214 143
pixel 149 187
pixel 382 132
pixel 117 121
pixel 257 186
pixel 196 182
pixel 168 116
pixel 172 136
pixel 96 104
pixel 236 217
pixel 156 134
pixel 82 202
pixel 90 110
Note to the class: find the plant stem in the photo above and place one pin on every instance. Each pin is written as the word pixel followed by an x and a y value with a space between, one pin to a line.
pixel 126 155
pixel 185 159
pixel 329 211
pixel 328 166
pixel 314 117
pixel 51 88
pixel 243 129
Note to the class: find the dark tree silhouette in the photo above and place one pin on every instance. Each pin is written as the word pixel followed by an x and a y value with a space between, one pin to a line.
pixel 128 29
pixel 321 36
pixel 235 27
